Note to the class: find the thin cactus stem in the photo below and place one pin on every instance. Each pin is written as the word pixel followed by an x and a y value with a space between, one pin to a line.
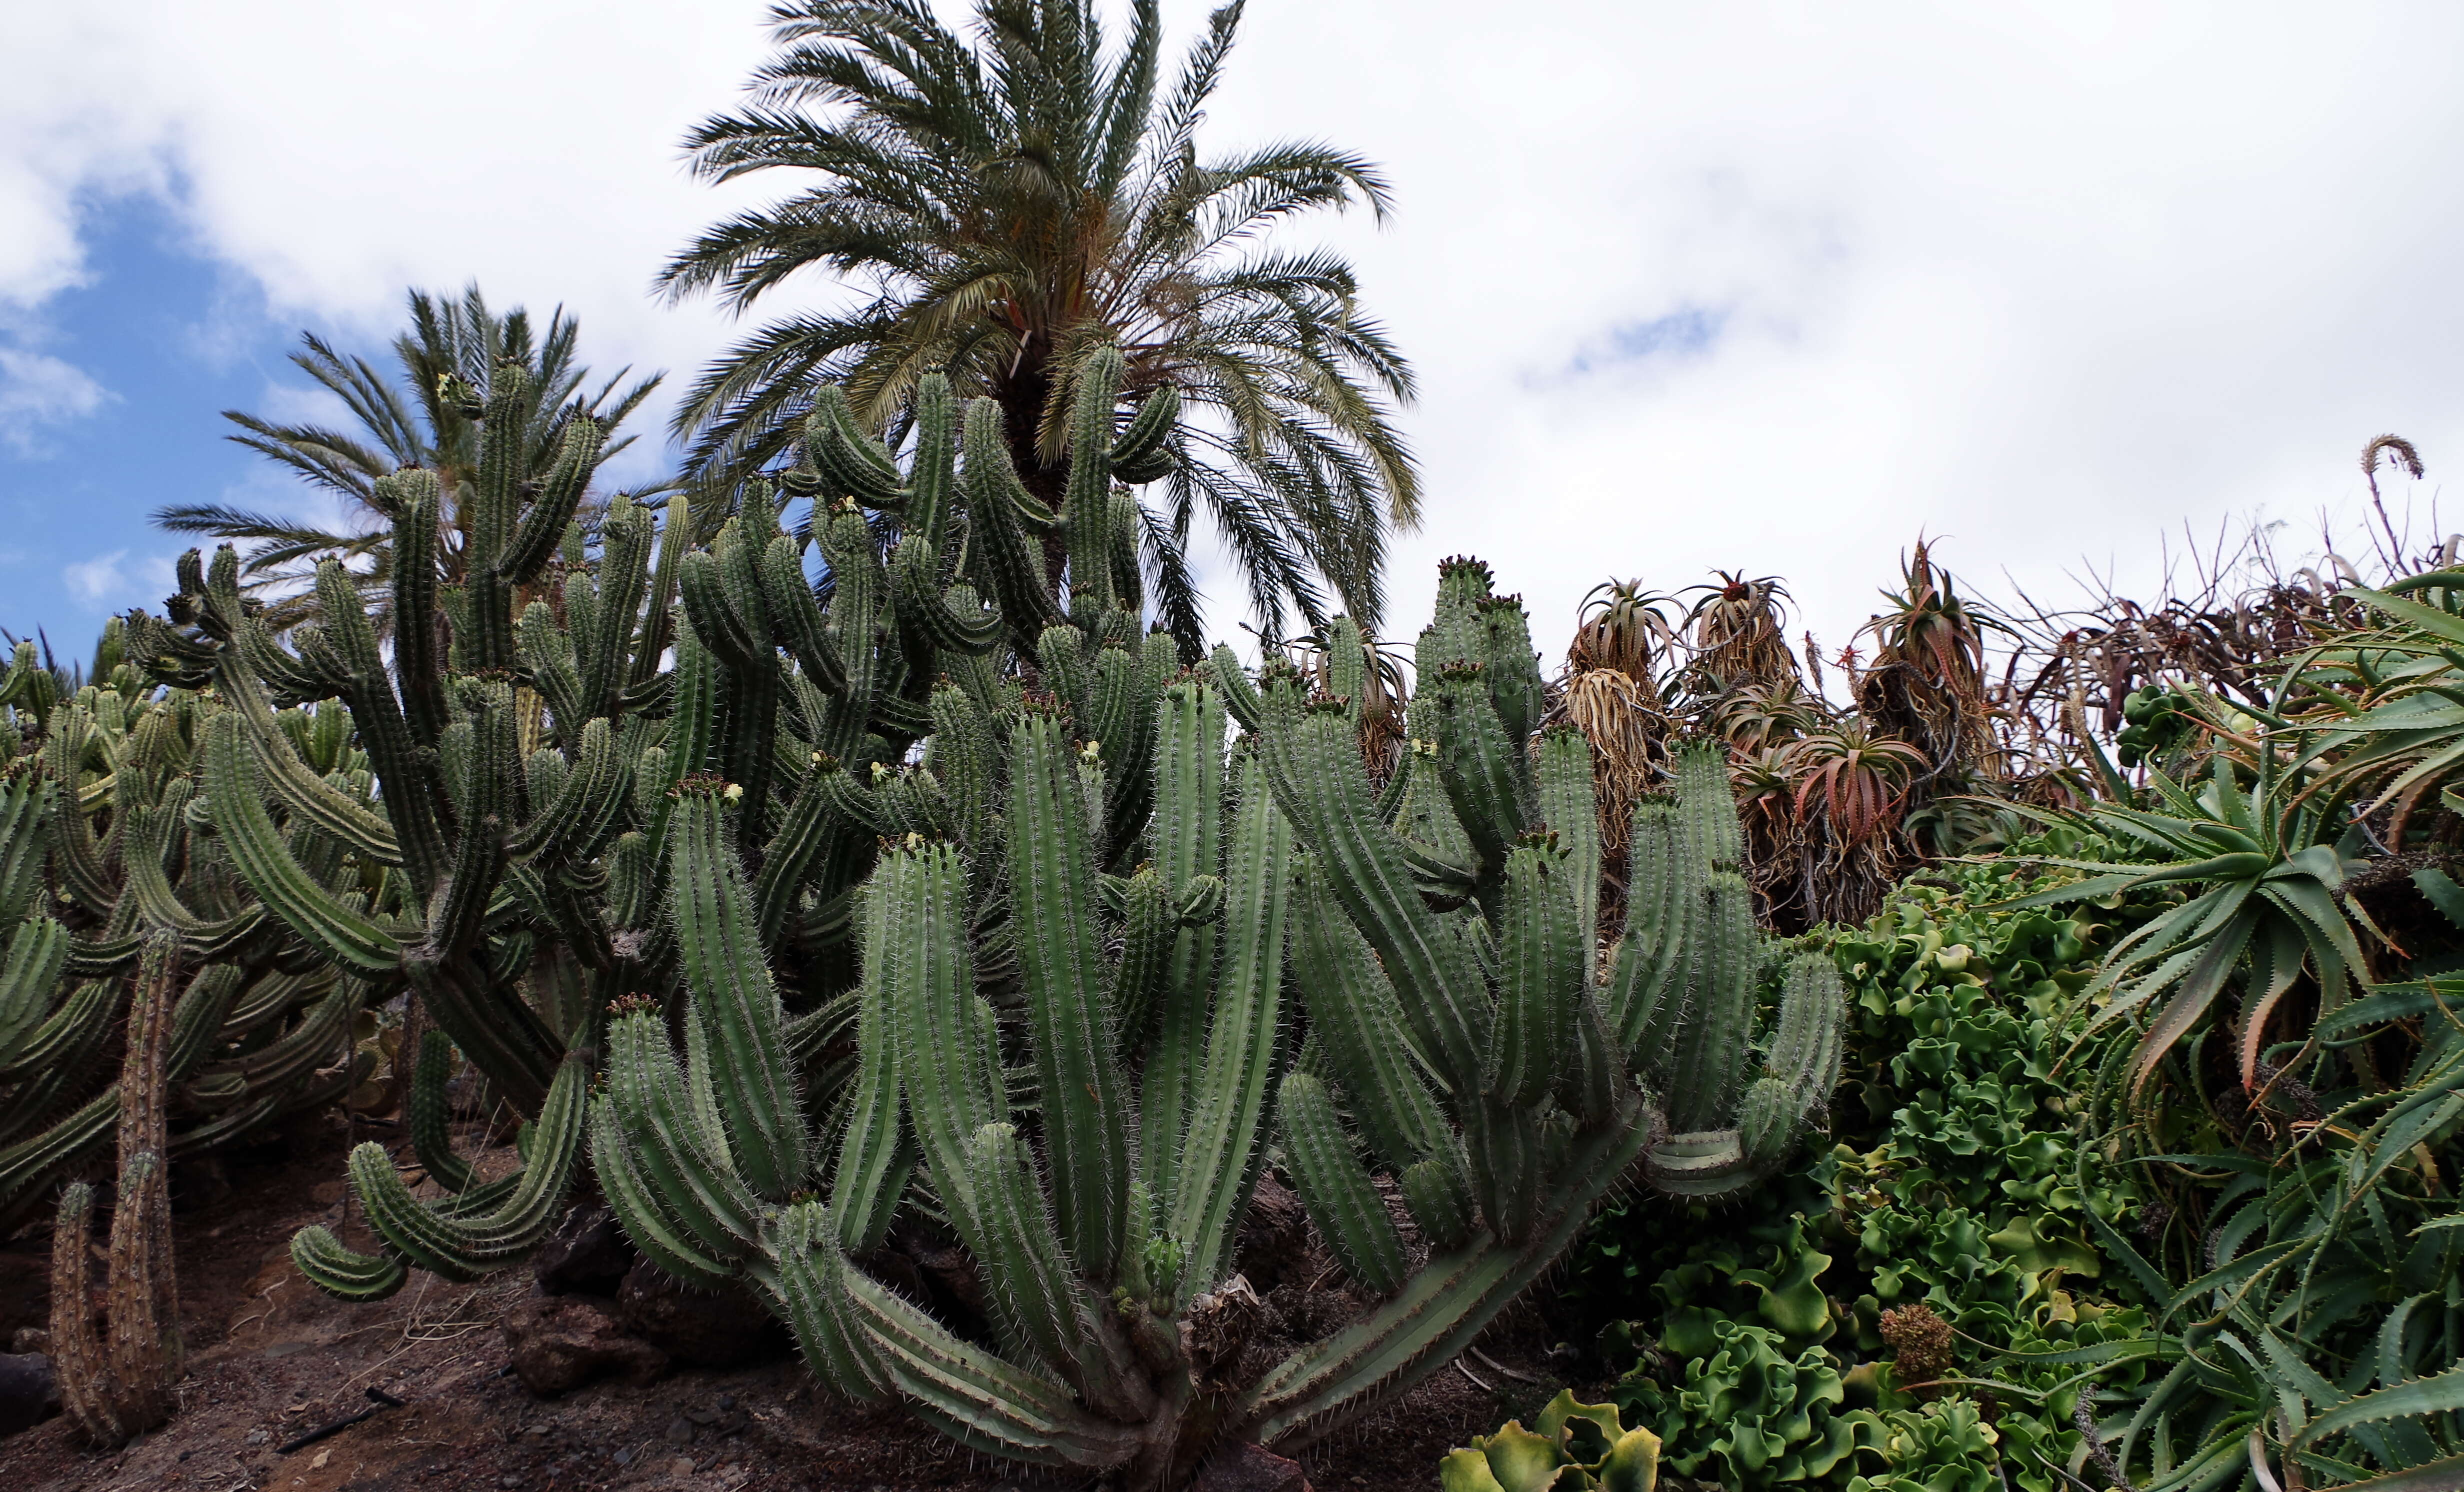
pixel 77 1353
pixel 142 1297
pixel 1243 1040
pixel 119 1384
pixel 1086 1117
pixel 735 1006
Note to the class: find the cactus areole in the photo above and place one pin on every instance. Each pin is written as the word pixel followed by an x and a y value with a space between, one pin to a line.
pixel 958 905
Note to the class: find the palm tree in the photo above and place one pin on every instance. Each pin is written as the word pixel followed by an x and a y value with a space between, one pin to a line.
pixel 427 415
pixel 1009 203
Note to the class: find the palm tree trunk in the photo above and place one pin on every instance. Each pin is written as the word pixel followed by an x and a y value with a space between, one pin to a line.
pixel 1022 395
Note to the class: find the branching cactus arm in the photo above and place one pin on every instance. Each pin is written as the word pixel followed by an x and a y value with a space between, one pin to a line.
pixel 735 1006
pixel 1353 1011
pixel 1441 1310
pixel 876 1148
pixel 1709 1064
pixel 1317 777
pixel 1187 834
pixel 1086 510
pixel 1648 990
pixel 480 1228
pixel 1335 1187
pixel 350 939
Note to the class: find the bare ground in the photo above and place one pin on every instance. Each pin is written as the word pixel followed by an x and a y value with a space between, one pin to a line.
pixel 271 1359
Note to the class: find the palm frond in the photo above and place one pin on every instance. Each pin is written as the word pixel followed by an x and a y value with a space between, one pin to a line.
pixel 998 206
pixel 449 352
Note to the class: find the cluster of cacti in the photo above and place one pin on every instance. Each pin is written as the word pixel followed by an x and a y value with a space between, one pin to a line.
pixel 530 751
pixel 122 915
pixel 863 918
pixel 1084 960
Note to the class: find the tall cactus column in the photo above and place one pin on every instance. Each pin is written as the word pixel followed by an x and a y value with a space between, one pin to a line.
pixel 120 1385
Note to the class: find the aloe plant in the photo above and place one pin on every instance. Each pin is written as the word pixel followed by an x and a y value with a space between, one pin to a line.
pixel 2265 866
pixel 1090 1123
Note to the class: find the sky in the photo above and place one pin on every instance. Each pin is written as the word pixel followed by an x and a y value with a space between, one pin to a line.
pixel 1773 288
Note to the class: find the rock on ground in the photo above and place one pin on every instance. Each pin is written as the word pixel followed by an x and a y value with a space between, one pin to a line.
pixel 586 1254
pixel 1250 1468
pixel 29 1391
pixel 709 1329
pixel 561 1342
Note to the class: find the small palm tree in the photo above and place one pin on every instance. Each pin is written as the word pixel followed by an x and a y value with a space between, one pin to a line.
pixel 426 415
pixel 1015 201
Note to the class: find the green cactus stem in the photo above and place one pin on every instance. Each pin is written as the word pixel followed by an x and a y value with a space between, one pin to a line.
pixel 1026 941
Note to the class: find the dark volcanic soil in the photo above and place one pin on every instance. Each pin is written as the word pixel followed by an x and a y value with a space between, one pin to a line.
pixel 270 1359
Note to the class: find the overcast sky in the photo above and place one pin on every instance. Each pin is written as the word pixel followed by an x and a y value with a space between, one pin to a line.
pixel 1762 287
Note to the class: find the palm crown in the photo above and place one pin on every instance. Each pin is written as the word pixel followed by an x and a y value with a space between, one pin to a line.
pixel 1016 202
pixel 427 416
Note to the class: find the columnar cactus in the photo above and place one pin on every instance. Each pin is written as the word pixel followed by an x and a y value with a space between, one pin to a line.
pixel 121 1385
pixel 1090 1123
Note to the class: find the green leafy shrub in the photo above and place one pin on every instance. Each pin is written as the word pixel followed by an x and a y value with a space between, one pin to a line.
pixel 1747 1414
pixel 2173 1256
pixel 1944 1447
pixel 1958 1181
pixel 1571 1447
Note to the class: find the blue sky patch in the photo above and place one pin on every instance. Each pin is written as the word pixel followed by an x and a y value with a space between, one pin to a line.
pixel 121 414
pixel 1687 333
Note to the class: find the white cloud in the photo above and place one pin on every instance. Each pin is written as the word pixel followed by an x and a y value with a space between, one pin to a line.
pixel 2046 280
pixel 97 579
pixel 1770 286
pixel 108 582
pixel 335 154
pixel 37 389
